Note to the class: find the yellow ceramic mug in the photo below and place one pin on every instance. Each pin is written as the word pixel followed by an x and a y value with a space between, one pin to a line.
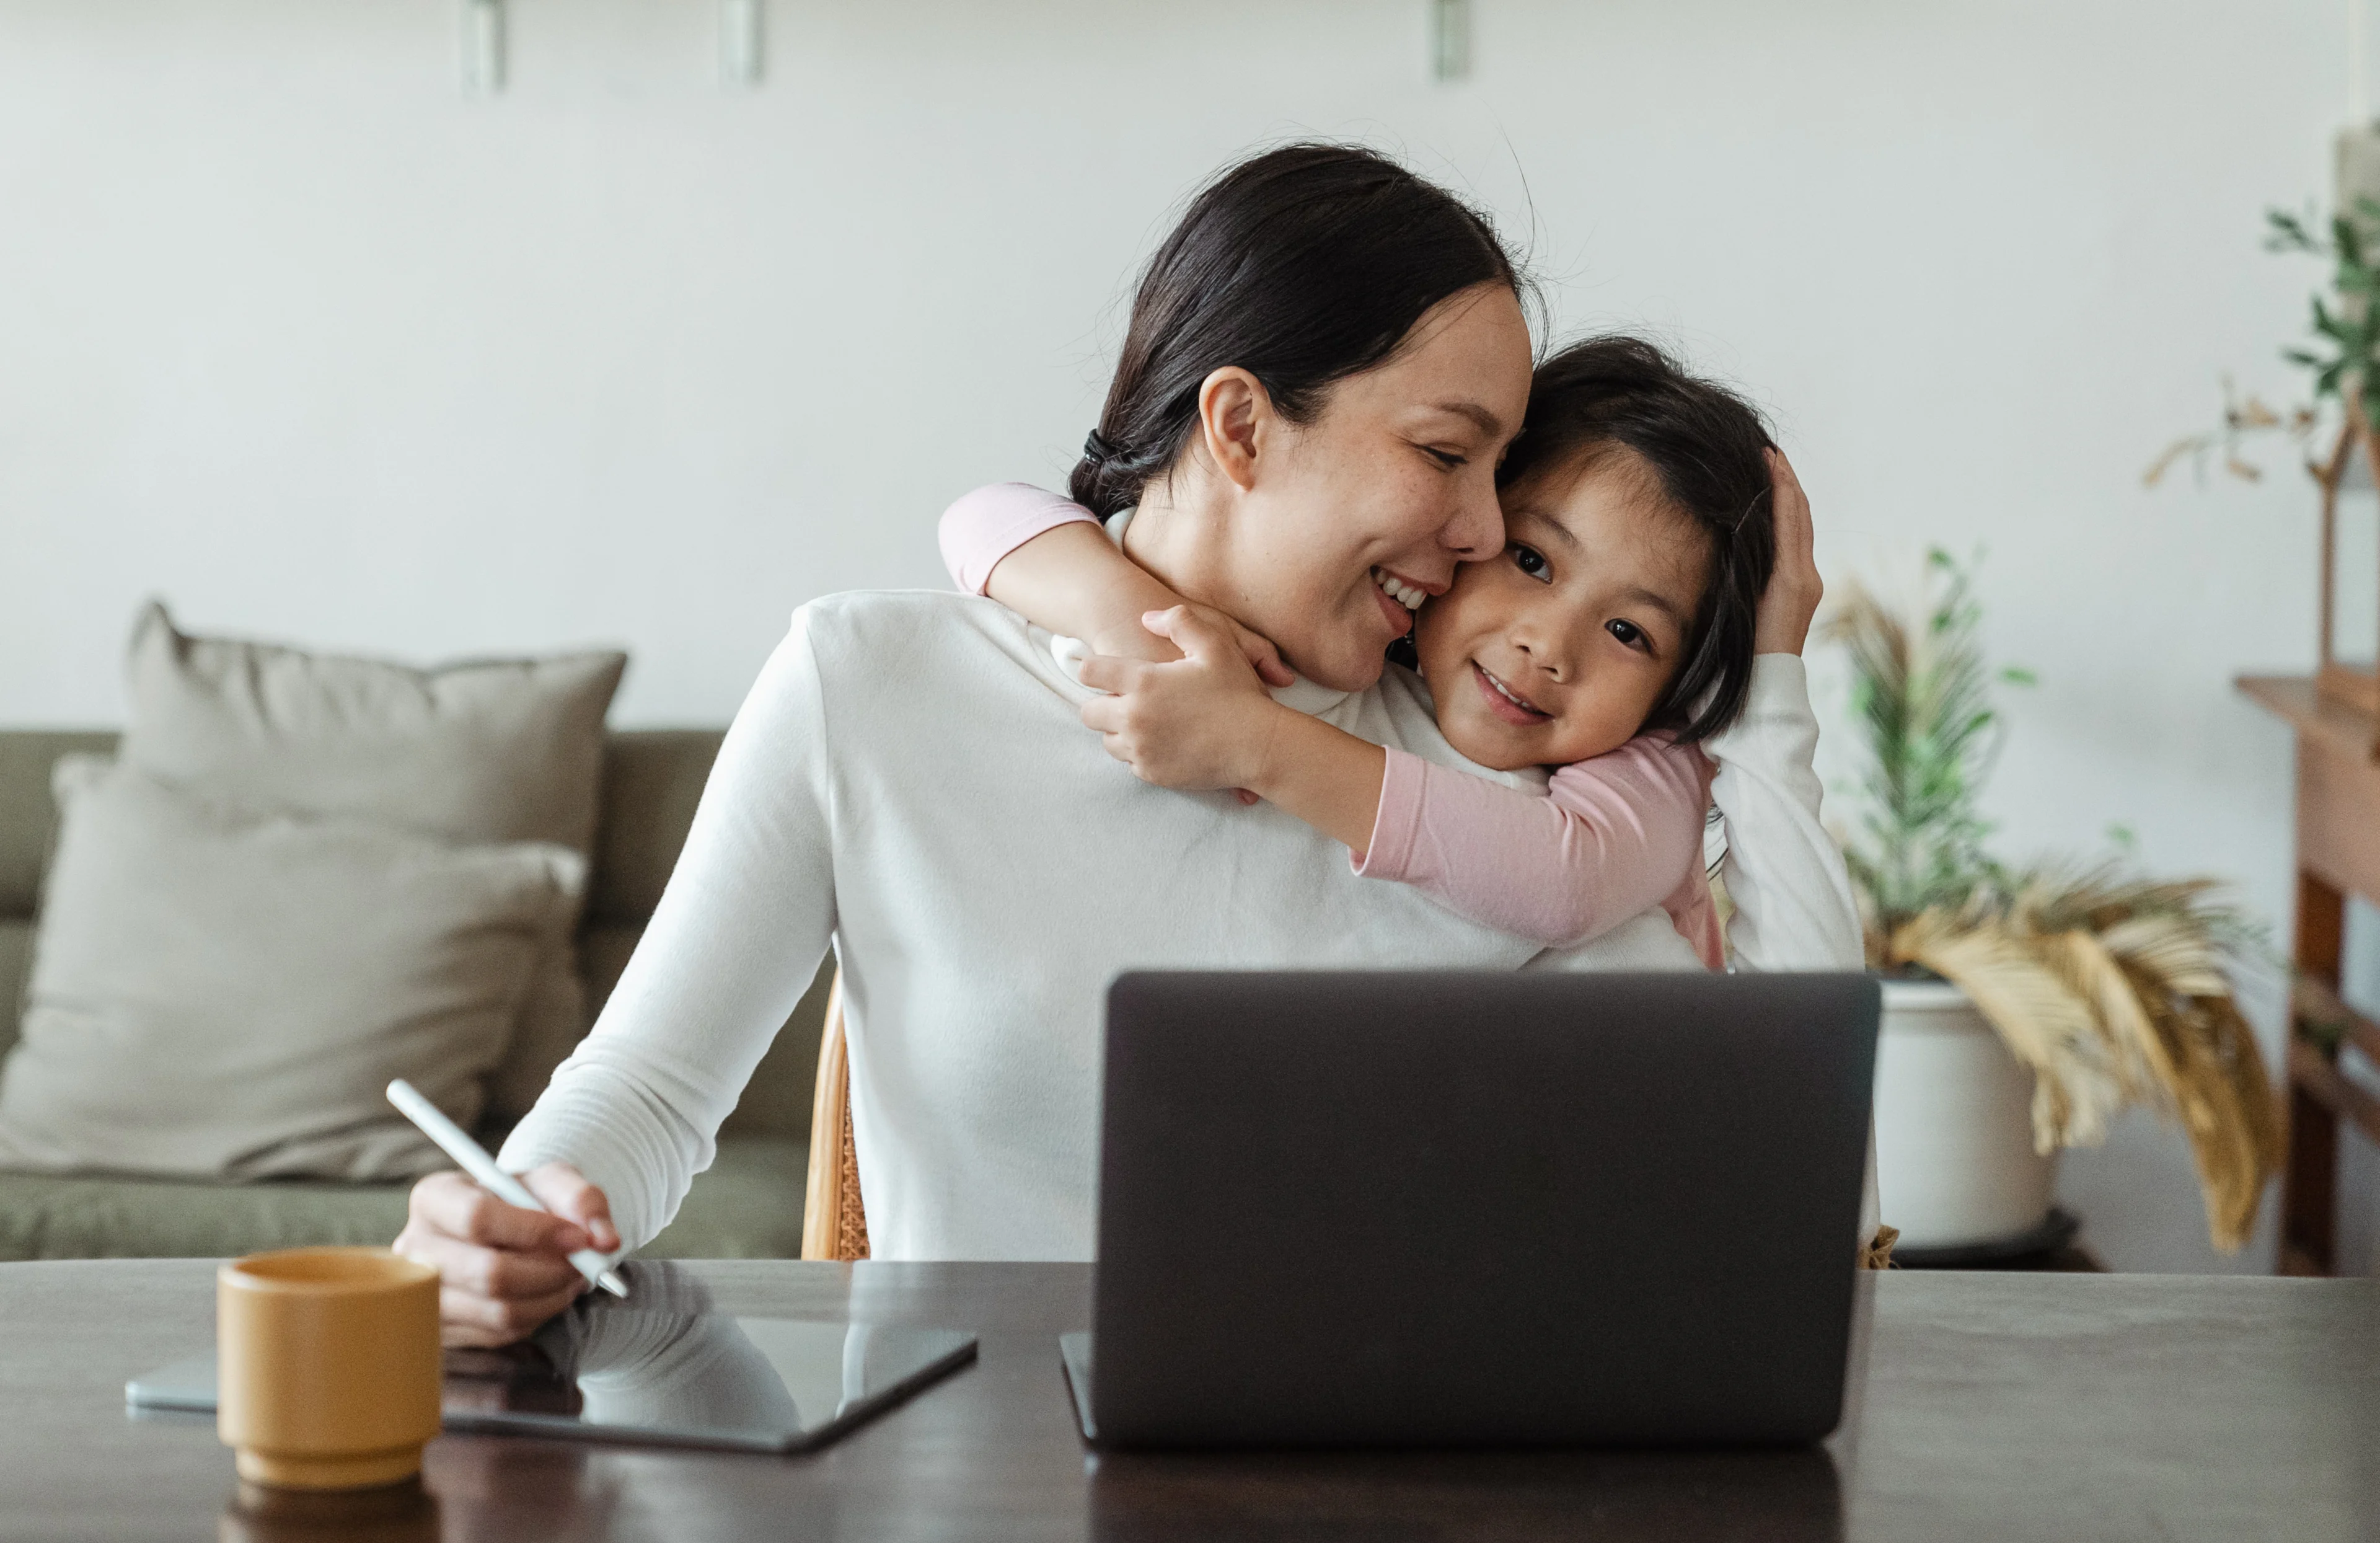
pixel 327 1369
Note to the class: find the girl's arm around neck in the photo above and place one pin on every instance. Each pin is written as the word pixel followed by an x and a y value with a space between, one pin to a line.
pixel 1072 581
pixel 1324 776
pixel 1206 722
pixel 1611 838
pixel 1615 838
pixel 985 526
pixel 1045 558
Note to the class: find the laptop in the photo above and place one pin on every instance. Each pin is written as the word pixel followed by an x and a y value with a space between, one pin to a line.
pixel 1460 1208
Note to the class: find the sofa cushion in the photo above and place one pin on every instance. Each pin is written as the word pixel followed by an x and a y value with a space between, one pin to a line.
pixel 16 964
pixel 652 781
pixel 481 751
pixel 507 750
pixel 747 1206
pixel 28 819
pixel 223 992
pixel 54 1215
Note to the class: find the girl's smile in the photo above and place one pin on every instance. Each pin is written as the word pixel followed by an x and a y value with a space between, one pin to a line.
pixel 1505 702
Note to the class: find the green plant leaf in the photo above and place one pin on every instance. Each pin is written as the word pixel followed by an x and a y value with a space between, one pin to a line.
pixel 2346 240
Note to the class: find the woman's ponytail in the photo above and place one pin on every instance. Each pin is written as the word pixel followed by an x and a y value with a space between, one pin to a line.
pixel 1108 479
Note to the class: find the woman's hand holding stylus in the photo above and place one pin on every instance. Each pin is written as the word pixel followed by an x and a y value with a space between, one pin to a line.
pixel 503 1269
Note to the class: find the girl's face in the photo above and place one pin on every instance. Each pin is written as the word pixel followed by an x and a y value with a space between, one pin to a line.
pixel 1382 494
pixel 1556 650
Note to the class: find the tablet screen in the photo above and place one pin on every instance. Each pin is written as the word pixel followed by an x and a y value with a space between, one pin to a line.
pixel 662 1367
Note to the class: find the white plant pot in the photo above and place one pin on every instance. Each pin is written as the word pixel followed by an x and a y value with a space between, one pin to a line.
pixel 1954 1159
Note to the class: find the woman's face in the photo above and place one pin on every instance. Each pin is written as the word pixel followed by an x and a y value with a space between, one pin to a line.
pixel 1367 509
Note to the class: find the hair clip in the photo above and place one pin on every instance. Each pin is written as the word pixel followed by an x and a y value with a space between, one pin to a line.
pixel 1097 449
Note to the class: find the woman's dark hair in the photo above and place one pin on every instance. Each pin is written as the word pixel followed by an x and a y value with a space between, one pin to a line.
pixel 1302 266
pixel 1707 446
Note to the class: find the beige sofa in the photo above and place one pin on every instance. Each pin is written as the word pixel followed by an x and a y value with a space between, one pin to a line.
pixel 747 1206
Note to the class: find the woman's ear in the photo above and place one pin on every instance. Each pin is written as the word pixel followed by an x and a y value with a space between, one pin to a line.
pixel 1235 423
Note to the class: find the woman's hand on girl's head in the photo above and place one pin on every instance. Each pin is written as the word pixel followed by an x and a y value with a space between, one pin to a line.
pixel 1782 623
pixel 1202 722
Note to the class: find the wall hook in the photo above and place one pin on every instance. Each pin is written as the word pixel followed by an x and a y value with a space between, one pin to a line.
pixel 1450 39
pixel 483 47
pixel 739 42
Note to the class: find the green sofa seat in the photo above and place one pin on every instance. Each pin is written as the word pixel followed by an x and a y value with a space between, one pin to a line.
pixel 748 1205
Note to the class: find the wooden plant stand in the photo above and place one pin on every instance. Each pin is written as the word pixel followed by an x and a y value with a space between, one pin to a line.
pixel 2337 855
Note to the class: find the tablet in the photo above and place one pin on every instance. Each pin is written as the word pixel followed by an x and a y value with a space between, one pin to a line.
pixel 660 1375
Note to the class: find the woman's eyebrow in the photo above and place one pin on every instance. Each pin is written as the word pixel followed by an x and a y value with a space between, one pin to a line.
pixel 1484 418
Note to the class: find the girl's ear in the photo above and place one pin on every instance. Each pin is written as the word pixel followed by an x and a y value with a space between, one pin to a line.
pixel 1235 423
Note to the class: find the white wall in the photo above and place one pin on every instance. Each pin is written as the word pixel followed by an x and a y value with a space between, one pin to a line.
pixel 295 335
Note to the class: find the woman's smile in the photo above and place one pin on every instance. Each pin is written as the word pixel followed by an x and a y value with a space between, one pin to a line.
pixel 1505 702
pixel 1398 599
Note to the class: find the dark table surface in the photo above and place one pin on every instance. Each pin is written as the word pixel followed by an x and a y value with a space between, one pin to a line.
pixel 1991 1406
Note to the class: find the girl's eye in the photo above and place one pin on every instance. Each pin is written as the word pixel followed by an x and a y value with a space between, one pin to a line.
pixel 1530 561
pixel 1447 459
pixel 1630 635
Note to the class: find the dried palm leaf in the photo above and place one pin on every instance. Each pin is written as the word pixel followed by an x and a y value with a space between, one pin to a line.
pixel 2138 1058
pixel 2047 1025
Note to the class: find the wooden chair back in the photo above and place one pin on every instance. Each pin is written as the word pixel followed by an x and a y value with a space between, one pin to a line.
pixel 834 1219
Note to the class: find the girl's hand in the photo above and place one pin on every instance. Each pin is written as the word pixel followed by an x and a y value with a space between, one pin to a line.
pixel 1203 721
pixel 1782 623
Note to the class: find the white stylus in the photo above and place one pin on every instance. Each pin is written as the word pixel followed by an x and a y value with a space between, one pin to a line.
pixel 482 1168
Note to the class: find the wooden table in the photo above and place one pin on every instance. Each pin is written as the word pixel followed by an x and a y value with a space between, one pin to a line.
pixel 2337 855
pixel 1995 1406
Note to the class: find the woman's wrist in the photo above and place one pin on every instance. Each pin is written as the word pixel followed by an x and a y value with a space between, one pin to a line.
pixel 1785 633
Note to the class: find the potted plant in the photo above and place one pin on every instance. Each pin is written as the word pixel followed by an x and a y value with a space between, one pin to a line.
pixel 2024 1007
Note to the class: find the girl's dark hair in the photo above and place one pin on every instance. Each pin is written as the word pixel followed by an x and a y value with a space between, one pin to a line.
pixel 1304 265
pixel 1706 445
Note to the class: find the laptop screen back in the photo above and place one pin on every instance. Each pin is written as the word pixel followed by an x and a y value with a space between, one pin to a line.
pixel 1458 1209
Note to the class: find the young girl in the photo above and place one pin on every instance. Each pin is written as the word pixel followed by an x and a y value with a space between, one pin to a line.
pixel 1615 633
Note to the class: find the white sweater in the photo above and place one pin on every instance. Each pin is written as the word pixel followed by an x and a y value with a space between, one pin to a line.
pixel 910 780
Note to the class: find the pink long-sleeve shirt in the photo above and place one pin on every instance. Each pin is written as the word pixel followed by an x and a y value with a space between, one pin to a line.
pixel 1608 839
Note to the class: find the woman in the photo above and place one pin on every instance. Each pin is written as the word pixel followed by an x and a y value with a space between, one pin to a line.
pixel 1324 364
